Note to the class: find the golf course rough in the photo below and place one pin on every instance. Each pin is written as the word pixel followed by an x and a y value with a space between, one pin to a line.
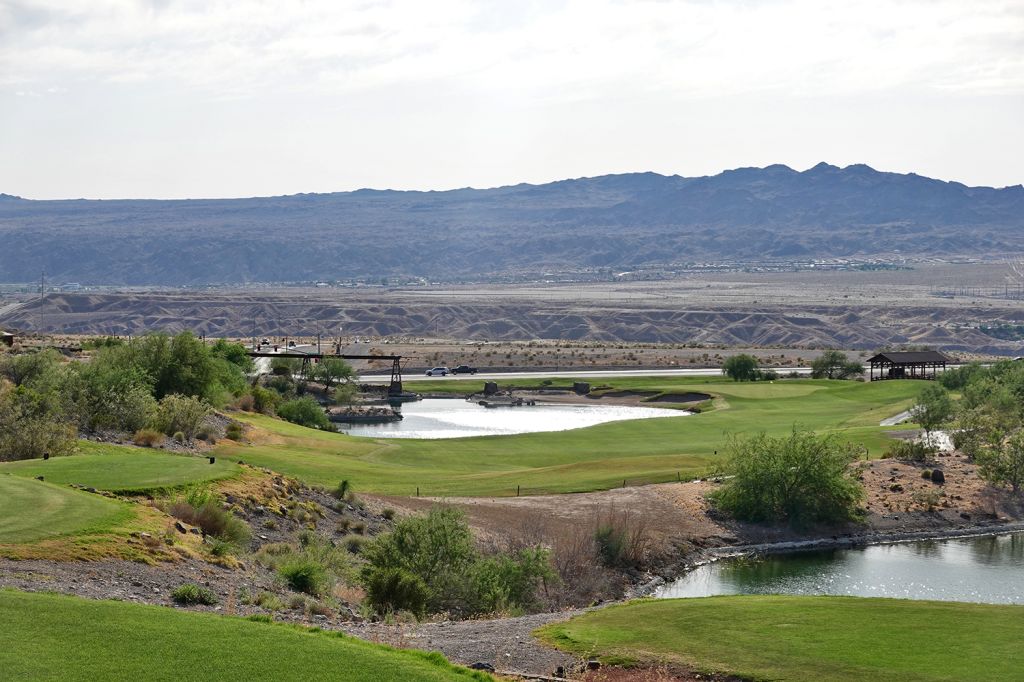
pixel 33 510
pixel 55 637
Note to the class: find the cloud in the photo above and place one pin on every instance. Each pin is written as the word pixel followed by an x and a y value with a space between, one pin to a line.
pixel 573 49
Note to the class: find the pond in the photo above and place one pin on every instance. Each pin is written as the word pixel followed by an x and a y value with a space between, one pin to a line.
pixel 453 418
pixel 986 569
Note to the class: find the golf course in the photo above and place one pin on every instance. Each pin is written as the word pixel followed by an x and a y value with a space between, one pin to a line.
pixel 123 469
pixel 51 637
pixel 55 510
pixel 804 638
pixel 593 458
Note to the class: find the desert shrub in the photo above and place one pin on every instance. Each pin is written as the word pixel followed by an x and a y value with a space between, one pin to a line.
pixel 233 431
pixel 396 589
pixel 910 450
pixel 269 601
pixel 504 582
pixel 388 513
pixel 1004 464
pixel 343 490
pixel 437 551
pixel 264 400
pixel 354 543
pixel 179 437
pixel 305 575
pixel 205 510
pixel 304 412
pixel 147 438
pixel 245 403
pixel 180 413
pixel 282 385
pixel 801 479
pixel 928 498
pixel 190 593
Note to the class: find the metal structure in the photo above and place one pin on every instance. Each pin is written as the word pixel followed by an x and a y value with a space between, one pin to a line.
pixel 308 359
pixel 907 365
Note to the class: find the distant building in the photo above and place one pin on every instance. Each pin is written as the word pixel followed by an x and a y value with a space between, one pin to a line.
pixel 6 339
pixel 924 364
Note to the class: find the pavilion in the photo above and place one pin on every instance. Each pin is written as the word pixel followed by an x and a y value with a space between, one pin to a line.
pixel 923 364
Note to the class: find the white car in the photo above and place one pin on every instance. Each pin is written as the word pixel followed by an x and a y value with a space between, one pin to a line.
pixel 438 372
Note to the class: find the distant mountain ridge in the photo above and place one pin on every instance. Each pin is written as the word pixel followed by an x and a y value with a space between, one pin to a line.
pixel 614 221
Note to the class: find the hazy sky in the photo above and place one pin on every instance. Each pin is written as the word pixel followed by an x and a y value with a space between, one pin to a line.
pixel 202 98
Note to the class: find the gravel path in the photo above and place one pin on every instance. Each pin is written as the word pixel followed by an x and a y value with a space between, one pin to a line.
pixel 504 643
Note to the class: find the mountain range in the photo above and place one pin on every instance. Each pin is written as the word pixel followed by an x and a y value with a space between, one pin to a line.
pixel 626 221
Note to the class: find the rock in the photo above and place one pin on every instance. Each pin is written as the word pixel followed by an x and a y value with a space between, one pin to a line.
pixel 938 476
pixel 39 478
pixel 480 665
pixel 559 671
pixel 90 490
pixel 965 515
pixel 593 665
pixel 178 526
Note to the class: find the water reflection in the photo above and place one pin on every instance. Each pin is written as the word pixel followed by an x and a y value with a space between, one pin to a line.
pixel 446 418
pixel 984 569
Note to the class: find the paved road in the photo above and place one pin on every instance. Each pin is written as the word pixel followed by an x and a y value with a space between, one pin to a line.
pixel 570 374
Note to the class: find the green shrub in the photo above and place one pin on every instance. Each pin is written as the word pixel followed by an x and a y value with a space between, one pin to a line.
pixel 264 400
pixel 202 508
pixel 611 544
pixel 388 513
pixel 179 413
pixel 233 431
pixel 190 593
pixel 179 437
pixel 306 576
pixel 304 412
pixel 343 490
pixel 801 479
pixel 396 589
pixel 354 543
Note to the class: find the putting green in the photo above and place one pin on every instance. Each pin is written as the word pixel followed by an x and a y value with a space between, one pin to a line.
pixel 124 469
pixel 806 638
pixel 54 637
pixel 598 457
pixel 33 510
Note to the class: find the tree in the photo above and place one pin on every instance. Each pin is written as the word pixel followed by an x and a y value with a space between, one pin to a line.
pixel 799 479
pixel 933 409
pixel 834 365
pixel 330 370
pixel 1003 464
pixel 740 367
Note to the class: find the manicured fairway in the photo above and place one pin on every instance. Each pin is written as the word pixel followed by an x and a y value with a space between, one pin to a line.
pixel 50 637
pixel 807 638
pixel 123 469
pixel 594 458
pixel 32 510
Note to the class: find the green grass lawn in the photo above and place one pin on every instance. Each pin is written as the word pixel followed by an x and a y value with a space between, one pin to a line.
pixel 33 510
pixel 593 458
pixel 806 638
pixel 123 469
pixel 51 637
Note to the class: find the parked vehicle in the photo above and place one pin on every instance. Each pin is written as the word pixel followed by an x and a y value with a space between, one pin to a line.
pixel 463 369
pixel 438 372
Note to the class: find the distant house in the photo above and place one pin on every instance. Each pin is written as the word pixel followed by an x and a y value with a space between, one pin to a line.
pixel 6 339
pixel 924 364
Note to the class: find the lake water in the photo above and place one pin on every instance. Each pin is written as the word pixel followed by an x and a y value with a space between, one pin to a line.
pixel 986 569
pixel 454 418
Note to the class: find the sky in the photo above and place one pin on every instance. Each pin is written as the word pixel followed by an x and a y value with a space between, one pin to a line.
pixel 203 98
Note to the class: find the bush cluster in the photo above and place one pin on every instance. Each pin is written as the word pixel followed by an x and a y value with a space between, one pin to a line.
pixel 430 564
pixel 800 479
pixel 190 593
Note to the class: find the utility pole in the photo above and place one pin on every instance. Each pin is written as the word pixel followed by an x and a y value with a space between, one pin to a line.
pixel 42 294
